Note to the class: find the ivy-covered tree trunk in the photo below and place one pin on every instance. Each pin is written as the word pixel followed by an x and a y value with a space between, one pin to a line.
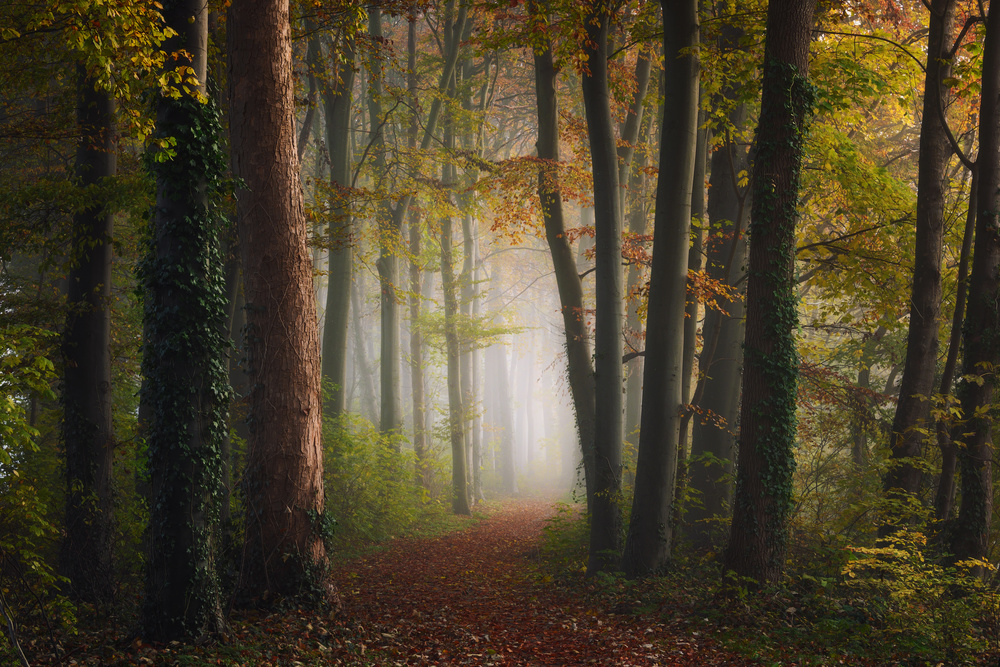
pixel 337 107
pixel 605 510
pixel 981 337
pixel 185 357
pixel 720 366
pixel 578 362
pixel 87 431
pixel 647 547
pixel 911 419
pixel 283 485
pixel 758 536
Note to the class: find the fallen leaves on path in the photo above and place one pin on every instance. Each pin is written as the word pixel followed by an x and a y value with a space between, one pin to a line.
pixel 472 598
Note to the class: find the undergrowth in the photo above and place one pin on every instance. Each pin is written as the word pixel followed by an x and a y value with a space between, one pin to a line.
pixel 887 605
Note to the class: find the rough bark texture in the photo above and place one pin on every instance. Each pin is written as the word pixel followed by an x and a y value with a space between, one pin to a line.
pixel 87 433
pixel 283 480
pixel 981 338
pixel 605 514
pixel 578 363
pixel 647 547
pixel 337 105
pixel 758 535
pixel 917 383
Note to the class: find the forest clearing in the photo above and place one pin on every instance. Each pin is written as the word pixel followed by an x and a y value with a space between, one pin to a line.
pixel 302 302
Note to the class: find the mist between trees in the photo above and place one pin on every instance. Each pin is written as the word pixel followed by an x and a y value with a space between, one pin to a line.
pixel 279 281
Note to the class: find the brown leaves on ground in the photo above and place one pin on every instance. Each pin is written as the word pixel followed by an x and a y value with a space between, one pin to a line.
pixel 472 598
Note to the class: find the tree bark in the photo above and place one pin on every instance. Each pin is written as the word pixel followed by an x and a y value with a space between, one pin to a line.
pixel 758 536
pixel 720 366
pixel 902 480
pixel 605 515
pixel 283 479
pixel 87 431
pixel 647 547
pixel 337 104
pixel 185 356
pixel 578 362
pixel 981 336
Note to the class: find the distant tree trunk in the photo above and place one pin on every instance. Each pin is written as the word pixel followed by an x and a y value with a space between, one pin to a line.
pixel 691 311
pixel 87 431
pixel 757 540
pixel 184 357
pixel 634 130
pixel 647 547
pixel 903 478
pixel 337 103
pixel 503 415
pixel 720 366
pixel 981 337
pixel 362 367
pixel 455 25
pixel 605 515
pixel 425 474
pixel 579 366
pixel 944 498
pixel 459 481
pixel 283 479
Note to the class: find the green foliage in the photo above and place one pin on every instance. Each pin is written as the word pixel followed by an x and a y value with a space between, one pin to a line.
pixel 370 484
pixel 29 585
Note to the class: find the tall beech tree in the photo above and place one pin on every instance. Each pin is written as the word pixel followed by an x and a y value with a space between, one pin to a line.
pixel 647 546
pixel 184 358
pixel 758 535
pixel 283 479
pixel 910 421
pixel 981 336
pixel 87 431
pixel 605 510
pixel 578 362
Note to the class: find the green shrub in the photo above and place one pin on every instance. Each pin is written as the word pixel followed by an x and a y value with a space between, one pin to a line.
pixel 370 483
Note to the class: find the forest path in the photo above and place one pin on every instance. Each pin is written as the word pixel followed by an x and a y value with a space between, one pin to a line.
pixel 471 598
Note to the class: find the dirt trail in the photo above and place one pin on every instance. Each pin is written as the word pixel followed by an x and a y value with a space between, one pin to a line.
pixel 468 599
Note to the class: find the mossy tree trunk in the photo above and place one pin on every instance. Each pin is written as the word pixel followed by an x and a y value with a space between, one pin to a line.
pixel 185 356
pixel 758 535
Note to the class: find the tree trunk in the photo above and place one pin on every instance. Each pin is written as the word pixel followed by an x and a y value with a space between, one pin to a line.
pixel 757 540
pixel 579 366
pixel 184 357
pixel 337 105
pixel 903 478
pixel 720 366
pixel 459 480
pixel 981 336
pixel 87 431
pixel 647 547
pixel 283 479
pixel 362 367
pixel 605 515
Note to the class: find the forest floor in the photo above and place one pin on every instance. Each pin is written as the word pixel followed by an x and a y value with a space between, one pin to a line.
pixel 490 593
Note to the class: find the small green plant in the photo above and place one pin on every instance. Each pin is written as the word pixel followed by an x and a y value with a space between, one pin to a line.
pixel 371 489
